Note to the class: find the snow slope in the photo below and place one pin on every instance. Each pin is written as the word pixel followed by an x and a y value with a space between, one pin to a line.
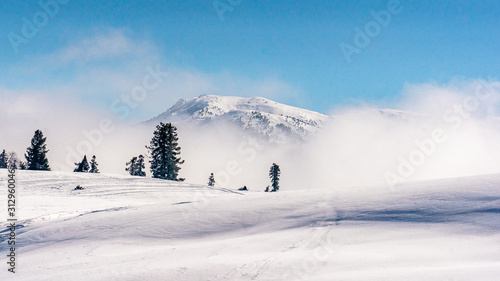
pixel 257 116
pixel 128 228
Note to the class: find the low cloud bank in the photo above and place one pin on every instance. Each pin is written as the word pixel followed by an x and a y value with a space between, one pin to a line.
pixel 437 131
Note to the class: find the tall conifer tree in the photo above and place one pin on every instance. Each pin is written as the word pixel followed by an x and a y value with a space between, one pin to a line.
pixel 164 151
pixel 274 174
pixel 36 154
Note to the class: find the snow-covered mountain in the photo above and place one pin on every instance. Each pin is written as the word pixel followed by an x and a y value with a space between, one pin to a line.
pixel 260 117
pixel 276 122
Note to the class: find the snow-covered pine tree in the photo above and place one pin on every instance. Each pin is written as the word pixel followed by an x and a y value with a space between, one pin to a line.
pixel 211 180
pixel 131 166
pixel 164 150
pixel 274 174
pixel 36 154
pixel 93 166
pixel 3 160
pixel 82 167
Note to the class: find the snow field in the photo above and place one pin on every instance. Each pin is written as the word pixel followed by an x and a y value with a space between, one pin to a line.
pixel 129 228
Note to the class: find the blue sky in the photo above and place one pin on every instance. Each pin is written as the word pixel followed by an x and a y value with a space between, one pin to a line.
pixel 284 50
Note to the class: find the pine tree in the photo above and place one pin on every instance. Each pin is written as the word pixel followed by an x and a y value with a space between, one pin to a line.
pixel 131 166
pixel 93 166
pixel 211 180
pixel 136 166
pixel 3 160
pixel 274 174
pixel 164 150
pixel 140 167
pixel 36 154
pixel 82 167
pixel 23 165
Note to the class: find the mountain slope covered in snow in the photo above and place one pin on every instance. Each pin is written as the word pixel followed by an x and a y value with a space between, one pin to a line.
pixel 257 116
pixel 130 228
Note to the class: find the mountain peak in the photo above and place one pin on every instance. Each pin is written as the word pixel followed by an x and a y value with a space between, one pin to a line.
pixel 256 115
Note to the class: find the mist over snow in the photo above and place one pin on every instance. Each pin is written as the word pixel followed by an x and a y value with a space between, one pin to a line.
pixel 435 131
pixel 366 146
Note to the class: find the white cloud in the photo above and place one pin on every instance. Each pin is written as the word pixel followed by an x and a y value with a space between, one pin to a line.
pixel 76 85
pixel 357 148
pixel 109 44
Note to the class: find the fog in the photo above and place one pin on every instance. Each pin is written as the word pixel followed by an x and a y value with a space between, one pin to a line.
pixel 438 131
pixel 435 131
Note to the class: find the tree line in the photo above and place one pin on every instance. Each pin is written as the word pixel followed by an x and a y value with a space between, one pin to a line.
pixel 164 158
pixel 36 156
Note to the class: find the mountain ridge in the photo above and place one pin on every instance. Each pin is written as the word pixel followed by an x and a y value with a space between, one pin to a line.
pixel 258 116
pixel 273 121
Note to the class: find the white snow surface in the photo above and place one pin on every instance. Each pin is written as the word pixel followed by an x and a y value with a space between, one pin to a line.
pixel 131 228
pixel 258 116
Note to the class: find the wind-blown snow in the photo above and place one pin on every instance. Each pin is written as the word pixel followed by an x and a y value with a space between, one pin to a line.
pixel 130 228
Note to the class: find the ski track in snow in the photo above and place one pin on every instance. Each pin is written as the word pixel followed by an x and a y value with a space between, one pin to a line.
pixel 130 228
